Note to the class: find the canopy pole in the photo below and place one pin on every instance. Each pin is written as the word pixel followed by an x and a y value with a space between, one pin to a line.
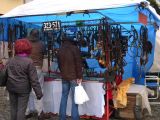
pixel 111 23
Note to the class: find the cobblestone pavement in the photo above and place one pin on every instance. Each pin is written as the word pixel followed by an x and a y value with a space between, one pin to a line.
pixel 4 109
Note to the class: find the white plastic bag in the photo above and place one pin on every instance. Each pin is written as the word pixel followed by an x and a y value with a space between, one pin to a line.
pixel 45 65
pixel 80 95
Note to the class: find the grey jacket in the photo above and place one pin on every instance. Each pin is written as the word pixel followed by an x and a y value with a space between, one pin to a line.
pixel 22 75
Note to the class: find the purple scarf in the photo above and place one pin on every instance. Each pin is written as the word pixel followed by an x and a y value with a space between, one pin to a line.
pixel 23 55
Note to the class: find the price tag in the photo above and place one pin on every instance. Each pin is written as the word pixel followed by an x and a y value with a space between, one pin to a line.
pixel 52 25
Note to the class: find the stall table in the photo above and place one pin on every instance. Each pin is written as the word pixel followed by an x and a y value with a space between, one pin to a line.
pixel 142 90
pixel 94 107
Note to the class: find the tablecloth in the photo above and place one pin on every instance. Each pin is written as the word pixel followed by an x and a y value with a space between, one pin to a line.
pixel 142 90
pixel 94 107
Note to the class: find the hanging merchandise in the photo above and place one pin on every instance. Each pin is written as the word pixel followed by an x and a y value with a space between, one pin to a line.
pixel 97 39
pixel 135 43
pixel 101 43
pixel 50 49
pixel 94 41
pixel 146 45
pixel 118 48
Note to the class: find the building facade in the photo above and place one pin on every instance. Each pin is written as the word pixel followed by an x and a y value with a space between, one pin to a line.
pixel 25 1
pixel 7 5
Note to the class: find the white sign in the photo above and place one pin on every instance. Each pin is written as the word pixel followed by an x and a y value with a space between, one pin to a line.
pixel 53 25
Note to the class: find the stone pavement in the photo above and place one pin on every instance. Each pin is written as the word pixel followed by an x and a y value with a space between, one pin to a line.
pixel 4 105
pixel 4 109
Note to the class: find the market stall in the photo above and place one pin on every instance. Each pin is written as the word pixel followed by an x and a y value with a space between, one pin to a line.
pixel 116 38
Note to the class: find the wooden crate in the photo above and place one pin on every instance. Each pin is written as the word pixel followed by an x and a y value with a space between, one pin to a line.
pixel 128 112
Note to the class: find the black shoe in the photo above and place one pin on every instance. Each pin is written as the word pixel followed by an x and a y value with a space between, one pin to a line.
pixel 40 117
pixel 35 114
pixel 29 115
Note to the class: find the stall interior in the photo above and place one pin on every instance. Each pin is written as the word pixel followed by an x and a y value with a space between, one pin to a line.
pixel 104 44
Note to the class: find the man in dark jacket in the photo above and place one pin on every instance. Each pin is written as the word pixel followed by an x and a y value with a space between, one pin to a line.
pixel 36 55
pixel 70 65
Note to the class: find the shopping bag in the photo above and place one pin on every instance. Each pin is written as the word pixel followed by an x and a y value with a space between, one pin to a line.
pixel 3 77
pixel 80 95
pixel 45 65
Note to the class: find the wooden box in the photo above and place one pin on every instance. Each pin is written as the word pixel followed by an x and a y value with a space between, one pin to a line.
pixel 128 112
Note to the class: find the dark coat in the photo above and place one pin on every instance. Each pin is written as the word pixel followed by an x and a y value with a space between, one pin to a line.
pixel 37 52
pixel 69 61
pixel 22 75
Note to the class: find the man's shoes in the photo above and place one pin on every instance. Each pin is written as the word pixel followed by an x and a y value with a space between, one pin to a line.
pixel 41 116
pixel 31 114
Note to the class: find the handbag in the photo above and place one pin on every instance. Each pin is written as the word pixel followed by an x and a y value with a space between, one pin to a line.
pixel 80 95
pixel 3 77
